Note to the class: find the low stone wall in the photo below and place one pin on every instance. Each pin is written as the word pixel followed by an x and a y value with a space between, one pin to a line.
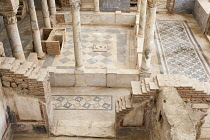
pixel 94 77
pixel 91 18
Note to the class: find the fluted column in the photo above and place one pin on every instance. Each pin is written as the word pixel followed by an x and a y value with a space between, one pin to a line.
pixel 52 6
pixel 35 30
pixel 142 21
pixel 10 21
pixel 45 14
pixel 149 37
pixel 96 6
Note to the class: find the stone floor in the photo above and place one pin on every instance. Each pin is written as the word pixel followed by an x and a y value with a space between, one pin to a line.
pixel 93 109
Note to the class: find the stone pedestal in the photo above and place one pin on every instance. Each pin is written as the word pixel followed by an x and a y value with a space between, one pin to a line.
pixel 142 21
pixel 35 30
pixel 45 14
pixel 10 22
pixel 96 6
pixel 148 39
pixel 52 6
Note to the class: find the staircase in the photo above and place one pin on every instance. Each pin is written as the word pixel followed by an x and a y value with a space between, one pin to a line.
pixel 123 106
pixel 145 90
pixel 22 10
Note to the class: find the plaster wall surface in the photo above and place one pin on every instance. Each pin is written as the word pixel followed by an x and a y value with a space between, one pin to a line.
pixel 3 124
pixel 183 6
pixel 115 5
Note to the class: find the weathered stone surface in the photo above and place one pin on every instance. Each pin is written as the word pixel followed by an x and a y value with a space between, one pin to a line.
pixel 23 85
pixel 83 128
pixel 14 85
pixel 115 5
pixel 6 78
pixel 6 84
pixel 172 116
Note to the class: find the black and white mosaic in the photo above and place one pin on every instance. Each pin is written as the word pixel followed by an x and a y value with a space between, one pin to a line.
pixel 82 102
pixel 179 52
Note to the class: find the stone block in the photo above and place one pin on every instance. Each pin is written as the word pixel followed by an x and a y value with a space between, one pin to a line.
pixel 64 77
pixel 28 108
pixel 111 77
pixel 95 77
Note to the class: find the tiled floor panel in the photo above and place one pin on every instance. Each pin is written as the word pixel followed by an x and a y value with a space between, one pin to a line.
pixel 179 52
pixel 82 102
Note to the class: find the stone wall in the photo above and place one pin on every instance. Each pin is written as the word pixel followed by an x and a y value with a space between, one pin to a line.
pixel 183 6
pixel 115 5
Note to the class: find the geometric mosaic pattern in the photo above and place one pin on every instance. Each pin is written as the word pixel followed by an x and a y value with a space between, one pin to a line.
pixel 82 102
pixel 179 52
pixel 114 39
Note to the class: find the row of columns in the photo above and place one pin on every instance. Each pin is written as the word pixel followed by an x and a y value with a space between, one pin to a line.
pixel 10 21
pixel 147 11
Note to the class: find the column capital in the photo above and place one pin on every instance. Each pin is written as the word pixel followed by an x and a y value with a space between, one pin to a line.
pixel 152 3
pixel 75 4
pixel 9 17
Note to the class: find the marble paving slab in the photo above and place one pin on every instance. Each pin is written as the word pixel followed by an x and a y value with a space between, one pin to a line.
pixel 179 52
pixel 82 102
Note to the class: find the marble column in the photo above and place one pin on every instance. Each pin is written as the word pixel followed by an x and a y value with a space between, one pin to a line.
pixel 79 67
pixel 142 21
pixel 45 14
pixel 75 5
pixel 96 6
pixel 10 21
pixel 35 30
pixel 52 6
pixel 138 6
pixel 148 38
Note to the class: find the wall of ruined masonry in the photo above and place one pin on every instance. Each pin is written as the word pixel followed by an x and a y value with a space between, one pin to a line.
pixel 170 115
pixel 27 89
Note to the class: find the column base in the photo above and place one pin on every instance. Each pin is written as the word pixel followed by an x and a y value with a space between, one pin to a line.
pixel 41 55
pixel 80 79
pixel 145 73
pixel 20 56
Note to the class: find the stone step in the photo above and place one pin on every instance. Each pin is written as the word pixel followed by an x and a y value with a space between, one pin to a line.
pixel 8 60
pixel 117 107
pixel 123 103
pixel 136 89
pixel 128 102
pixel 153 86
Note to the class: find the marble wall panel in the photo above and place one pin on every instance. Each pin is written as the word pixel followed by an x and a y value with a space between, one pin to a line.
pixel 183 6
pixel 115 5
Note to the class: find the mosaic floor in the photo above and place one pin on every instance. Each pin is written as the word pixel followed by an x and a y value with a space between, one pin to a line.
pixel 82 102
pixel 179 52
pixel 116 40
